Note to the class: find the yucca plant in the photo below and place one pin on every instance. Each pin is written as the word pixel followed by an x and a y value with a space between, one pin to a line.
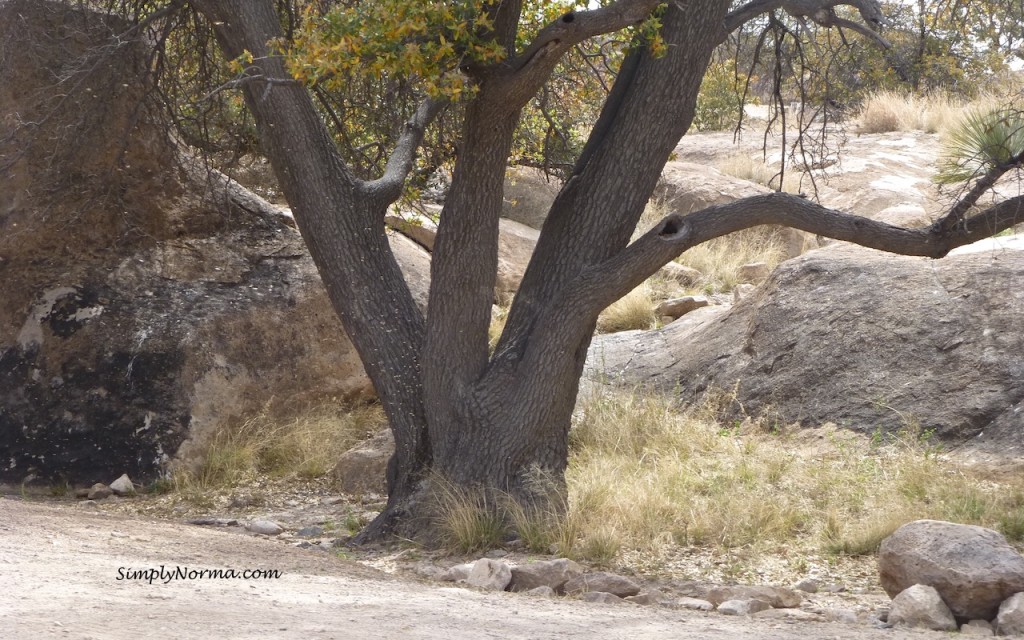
pixel 984 141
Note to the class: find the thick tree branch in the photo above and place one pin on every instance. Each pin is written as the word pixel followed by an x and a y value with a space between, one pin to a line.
pixel 576 26
pixel 388 187
pixel 821 12
pixel 605 283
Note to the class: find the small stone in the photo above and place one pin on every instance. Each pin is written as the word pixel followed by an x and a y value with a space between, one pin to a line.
pixel 123 486
pixel 921 606
pixel 652 596
pixel 99 491
pixel 82 493
pixel 551 573
pixel 89 504
pixel 490 574
pixel 602 597
pixel 742 290
pixel 742 607
pixel 789 614
pixel 603 581
pixel 778 597
pixel 496 553
pixel 543 591
pixel 265 527
pixel 694 604
pixel 1010 619
pixel 833 588
pixel 685 276
pixel 457 573
pixel 678 307
pixel 332 500
pixel 208 521
pixel 314 531
pixel 807 585
pixel 754 272
pixel 842 615
pixel 977 628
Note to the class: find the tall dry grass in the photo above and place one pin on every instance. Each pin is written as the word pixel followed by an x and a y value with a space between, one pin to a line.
pixel 306 446
pixel 887 111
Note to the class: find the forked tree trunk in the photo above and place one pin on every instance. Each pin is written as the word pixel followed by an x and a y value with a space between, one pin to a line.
pixel 500 422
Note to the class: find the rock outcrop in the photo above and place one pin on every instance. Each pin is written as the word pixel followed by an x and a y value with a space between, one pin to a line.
pixel 143 305
pixel 855 337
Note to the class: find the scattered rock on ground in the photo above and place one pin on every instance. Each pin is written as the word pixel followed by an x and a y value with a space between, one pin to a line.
pixel 807 585
pixel 457 573
pixel 977 628
pixel 650 597
pixel 697 604
pixel 1010 619
pixel 921 606
pixel 99 491
pixel 543 591
pixel 778 597
pixel 490 574
pixel 743 607
pixel 265 527
pixel 123 486
pixel 549 573
pixel 602 581
pixel 973 569
pixel 681 274
pixel 314 531
pixel 601 597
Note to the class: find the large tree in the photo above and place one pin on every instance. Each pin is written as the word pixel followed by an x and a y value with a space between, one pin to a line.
pixel 500 420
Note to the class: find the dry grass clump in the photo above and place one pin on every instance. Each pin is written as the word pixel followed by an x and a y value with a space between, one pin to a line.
pixel 886 111
pixel 305 446
pixel 746 167
pixel 635 310
pixel 660 477
pixel 720 259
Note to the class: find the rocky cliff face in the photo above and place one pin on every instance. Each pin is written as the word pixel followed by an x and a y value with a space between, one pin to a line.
pixel 141 307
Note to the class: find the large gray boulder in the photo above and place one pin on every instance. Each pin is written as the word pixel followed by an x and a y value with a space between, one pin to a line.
pixel 856 337
pixel 145 303
pixel 972 568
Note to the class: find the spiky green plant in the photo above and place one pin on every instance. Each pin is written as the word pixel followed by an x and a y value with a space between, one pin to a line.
pixel 983 141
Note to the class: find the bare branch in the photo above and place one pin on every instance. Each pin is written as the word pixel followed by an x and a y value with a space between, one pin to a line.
pixel 389 186
pixel 576 26
pixel 821 12
pixel 602 284
pixel 980 188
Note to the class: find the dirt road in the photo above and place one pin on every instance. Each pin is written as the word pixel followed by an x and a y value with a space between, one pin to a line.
pixel 59 570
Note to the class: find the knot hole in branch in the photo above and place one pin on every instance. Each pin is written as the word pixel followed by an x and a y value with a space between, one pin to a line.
pixel 672 226
pixel 568 17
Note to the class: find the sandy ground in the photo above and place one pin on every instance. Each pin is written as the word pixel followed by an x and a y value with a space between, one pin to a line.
pixel 59 569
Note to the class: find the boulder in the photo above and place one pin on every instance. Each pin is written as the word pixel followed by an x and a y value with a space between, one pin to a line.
pixel 490 574
pixel 621 586
pixel 972 568
pixel 363 468
pixel 754 272
pixel 265 527
pixel 921 606
pixel 147 302
pixel 680 274
pixel 856 337
pixel 516 242
pixel 528 195
pixel 1010 619
pixel 549 573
